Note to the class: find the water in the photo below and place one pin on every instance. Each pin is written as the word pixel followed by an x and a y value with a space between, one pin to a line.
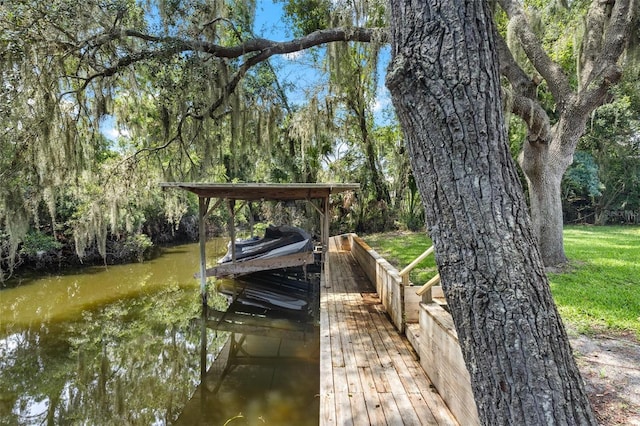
pixel 126 345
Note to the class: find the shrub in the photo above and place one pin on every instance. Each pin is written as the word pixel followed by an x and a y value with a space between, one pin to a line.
pixel 138 246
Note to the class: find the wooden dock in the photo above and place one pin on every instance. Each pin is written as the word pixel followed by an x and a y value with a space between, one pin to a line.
pixel 369 373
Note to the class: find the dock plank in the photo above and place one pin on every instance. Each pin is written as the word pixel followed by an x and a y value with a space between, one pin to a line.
pixel 391 410
pixel 422 409
pixel 369 372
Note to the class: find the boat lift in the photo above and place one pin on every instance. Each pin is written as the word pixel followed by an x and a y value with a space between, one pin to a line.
pixel 317 194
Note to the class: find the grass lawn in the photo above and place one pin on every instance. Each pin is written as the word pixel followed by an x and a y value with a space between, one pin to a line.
pixel 600 292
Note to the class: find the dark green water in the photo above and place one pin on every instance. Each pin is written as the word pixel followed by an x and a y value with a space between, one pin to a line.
pixel 124 345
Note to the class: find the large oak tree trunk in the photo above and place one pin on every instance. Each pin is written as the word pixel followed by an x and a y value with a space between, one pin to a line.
pixel 445 87
pixel 544 170
pixel 546 214
pixel 544 163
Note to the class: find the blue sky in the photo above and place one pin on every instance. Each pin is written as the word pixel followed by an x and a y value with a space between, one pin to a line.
pixel 269 21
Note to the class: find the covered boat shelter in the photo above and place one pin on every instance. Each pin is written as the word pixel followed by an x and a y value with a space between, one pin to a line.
pixel 317 194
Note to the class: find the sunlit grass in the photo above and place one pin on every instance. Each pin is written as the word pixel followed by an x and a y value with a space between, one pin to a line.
pixel 400 249
pixel 599 292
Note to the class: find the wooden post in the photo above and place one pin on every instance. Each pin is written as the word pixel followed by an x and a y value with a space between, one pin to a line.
pixel 251 224
pixel 203 204
pixel 203 357
pixel 325 224
pixel 425 290
pixel 232 228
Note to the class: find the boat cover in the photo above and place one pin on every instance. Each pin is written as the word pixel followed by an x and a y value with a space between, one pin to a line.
pixel 277 241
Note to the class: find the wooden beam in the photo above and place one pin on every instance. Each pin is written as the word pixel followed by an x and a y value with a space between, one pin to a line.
pixel 263 191
pixel 255 265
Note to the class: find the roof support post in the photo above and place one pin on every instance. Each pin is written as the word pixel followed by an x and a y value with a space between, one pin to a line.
pixel 325 224
pixel 251 224
pixel 203 204
pixel 232 227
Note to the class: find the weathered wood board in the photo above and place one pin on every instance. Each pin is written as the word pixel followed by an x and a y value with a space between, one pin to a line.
pixel 257 265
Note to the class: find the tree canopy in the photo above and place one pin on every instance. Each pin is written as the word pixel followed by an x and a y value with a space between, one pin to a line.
pixel 195 95
pixel 192 93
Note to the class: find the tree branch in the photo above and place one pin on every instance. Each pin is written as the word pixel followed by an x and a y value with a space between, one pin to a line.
pixel 601 69
pixel 173 45
pixel 263 48
pixel 520 81
pixel 233 83
pixel 535 116
pixel 549 70
pixel 525 104
pixel 592 41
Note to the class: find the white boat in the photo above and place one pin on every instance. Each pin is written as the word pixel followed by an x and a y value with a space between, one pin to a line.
pixel 281 247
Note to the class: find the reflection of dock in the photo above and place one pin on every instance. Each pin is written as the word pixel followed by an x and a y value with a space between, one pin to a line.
pixel 290 294
pixel 257 326
pixel 268 369
pixel 369 374
pixel 267 377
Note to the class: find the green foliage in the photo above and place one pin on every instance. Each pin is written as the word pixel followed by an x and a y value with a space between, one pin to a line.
pixel 36 242
pixel 414 215
pixel 560 29
pixel 612 141
pixel 581 179
pixel 138 245
pixel 307 16
pixel 580 187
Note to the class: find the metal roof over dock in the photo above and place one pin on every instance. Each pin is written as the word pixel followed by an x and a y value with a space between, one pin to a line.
pixel 263 191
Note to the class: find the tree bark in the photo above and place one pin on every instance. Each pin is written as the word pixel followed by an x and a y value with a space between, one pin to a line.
pixel 445 87
pixel 544 162
pixel 544 179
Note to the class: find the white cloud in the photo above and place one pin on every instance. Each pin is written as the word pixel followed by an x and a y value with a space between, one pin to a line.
pixel 382 100
pixel 111 131
pixel 294 56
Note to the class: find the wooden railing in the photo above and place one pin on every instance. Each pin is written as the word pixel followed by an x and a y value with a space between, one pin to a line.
pixel 399 296
pixel 425 290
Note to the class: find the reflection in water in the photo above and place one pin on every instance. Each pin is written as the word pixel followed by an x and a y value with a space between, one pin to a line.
pixel 120 346
pixel 268 370
pixel 260 377
pixel 58 298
